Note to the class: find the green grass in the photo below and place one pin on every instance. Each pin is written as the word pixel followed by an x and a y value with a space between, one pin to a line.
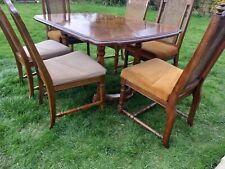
pixel 106 139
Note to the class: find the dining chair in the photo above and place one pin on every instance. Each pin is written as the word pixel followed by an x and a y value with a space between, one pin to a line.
pixel 166 84
pixel 55 7
pixel 60 73
pixel 135 10
pixel 172 12
pixel 47 49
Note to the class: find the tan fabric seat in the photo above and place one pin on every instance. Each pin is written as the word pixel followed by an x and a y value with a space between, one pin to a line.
pixel 55 35
pixel 154 76
pixel 49 49
pixel 72 67
pixel 161 49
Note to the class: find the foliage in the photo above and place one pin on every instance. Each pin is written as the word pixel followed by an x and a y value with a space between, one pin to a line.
pixel 105 2
pixel 105 139
pixel 113 2
pixel 202 6
pixel 207 6
pixel 2 1
pixel 215 3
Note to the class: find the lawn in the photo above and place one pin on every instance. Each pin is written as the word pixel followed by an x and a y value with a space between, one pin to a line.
pixel 106 139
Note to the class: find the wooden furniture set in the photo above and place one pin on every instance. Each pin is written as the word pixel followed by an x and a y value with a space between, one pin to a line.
pixel 156 79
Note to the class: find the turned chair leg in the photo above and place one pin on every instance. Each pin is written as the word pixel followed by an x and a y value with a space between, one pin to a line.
pixel 171 115
pixel 52 107
pixel 122 96
pixel 116 59
pixel 102 93
pixel 195 103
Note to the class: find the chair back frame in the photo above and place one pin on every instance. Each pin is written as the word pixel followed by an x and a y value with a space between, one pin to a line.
pixel 136 9
pixel 47 3
pixel 18 51
pixel 207 53
pixel 46 10
pixel 183 23
pixel 38 62
pixel 12 38
pixel 60 6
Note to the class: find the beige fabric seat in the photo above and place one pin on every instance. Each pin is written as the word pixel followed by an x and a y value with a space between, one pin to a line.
pixel 154 76
pixel 72 67
pixel 55 35
pixel 160 49
pixel 49 49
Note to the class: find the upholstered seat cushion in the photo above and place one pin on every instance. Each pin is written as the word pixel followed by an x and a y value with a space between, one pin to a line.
pixel 55 35
pixel 49 49
pixel 154 76
pixel 73 67
pixel 160 49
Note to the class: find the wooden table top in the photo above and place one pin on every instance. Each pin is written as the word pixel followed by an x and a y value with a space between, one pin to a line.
pixel 103 29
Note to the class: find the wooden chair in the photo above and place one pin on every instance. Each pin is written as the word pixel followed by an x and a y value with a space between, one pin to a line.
pixel 136 10
pixel 59 6
pixel 166 84
pixel 172 12
pixel 60 73
pixel 47 49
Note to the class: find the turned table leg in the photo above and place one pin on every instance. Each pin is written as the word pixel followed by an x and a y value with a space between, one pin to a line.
pixel 100 60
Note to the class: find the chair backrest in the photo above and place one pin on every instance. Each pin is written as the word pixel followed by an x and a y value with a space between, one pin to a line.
pixel 136 9
pixel 55 6
pixel 176 13
pixel 30 44
pixel 205 56
pixel 13 40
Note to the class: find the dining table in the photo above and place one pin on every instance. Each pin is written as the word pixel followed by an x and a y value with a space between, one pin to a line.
pixel 105 30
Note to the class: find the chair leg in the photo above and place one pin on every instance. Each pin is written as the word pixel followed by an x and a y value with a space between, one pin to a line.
pixel 52 107
pixel 195 103
pixel 122 54
pixel 41 90
pixel 171 115
pixel 20 70
pixel 72 47
pixel 102 93
pixel 64 40
pixel 126 59
pixel 122 96
pixel 116 59
pixel 30 81
pixel 88 49
pixel 175 60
